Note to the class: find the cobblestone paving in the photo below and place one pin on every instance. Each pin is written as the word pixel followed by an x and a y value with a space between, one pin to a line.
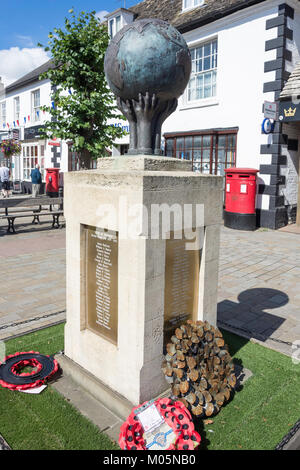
pixel 259 286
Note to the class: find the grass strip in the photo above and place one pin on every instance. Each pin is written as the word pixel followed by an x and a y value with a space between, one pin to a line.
pixel 258 417
pixel 45 421
pixel 267 406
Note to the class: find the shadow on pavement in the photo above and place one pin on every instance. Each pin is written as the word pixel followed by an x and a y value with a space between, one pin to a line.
pixel 30 228
pixel 248 315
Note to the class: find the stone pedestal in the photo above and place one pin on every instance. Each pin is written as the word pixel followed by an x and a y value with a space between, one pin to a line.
pixel 125 281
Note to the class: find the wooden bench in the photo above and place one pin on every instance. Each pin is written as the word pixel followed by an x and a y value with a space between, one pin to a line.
pixel 15 208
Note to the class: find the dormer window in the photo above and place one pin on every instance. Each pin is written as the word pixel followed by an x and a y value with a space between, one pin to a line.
pixel 117 20
pixel 189 4
pixel 115 24
pixel 118 23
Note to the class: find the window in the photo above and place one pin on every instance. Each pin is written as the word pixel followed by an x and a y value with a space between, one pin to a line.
pixel 203 79
pixel 210 152
pixel 118 23
pixel 111 28
pixel 187 4
pixel 17 108
pixel 35 105
pixel 33 154
pixel 3 112
pixel 115 24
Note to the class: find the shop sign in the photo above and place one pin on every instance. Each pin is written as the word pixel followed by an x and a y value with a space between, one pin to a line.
pixel 289 111
pixel 32 132
pixel 4 136
pixel 125 127
pixel 54 142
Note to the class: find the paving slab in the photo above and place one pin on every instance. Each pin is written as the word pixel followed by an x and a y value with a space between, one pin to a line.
pixel 262 303
pixel 89 407
pixel 32 275
pixel 258 297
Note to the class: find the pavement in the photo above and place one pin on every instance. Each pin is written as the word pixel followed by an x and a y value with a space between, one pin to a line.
pixel 32 277
pixel 258 297
pixel 259 293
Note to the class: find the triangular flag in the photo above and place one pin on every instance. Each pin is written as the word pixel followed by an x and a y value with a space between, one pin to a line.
pixel 18 123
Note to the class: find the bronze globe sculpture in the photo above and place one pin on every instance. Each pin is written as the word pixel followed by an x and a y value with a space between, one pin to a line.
pixel 147 66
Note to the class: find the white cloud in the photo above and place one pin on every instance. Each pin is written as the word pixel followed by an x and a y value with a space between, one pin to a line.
pixel 101 14
pixel 16 62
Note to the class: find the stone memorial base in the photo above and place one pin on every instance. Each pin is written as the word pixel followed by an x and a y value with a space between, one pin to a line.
pixel 133 274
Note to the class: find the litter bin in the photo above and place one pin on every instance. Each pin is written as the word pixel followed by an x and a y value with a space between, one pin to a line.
pixel 240 198
pixel 52 182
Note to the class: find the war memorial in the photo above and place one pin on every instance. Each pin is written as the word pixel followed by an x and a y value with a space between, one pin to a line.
pixel 142 235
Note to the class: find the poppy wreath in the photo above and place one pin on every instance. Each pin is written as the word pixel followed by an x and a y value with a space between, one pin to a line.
pixel 175 415
pixel 11 375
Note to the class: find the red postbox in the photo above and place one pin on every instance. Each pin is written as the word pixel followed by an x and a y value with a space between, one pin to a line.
pixel 52 182
pixel 240 198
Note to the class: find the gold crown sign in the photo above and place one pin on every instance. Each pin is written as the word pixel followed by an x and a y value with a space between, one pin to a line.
pixel 290 112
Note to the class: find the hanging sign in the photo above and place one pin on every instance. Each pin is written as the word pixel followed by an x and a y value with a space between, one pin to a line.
pixel 289 111
pixel 267 126
pixel 54 142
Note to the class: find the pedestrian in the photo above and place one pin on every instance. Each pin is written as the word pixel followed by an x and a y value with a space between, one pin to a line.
pixel 4 178
pixel 36 180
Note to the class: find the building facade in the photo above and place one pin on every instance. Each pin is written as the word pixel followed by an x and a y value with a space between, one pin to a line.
pixel 242 54
pixel 22 118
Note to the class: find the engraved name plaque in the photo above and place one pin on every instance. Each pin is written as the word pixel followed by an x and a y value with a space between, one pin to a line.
pixel 181 284
pixel 101 261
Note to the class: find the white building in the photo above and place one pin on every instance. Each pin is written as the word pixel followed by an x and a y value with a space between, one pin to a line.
pixel 21 116
pixel 242 53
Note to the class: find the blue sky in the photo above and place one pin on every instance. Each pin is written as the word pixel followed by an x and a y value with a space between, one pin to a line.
pixel 27 22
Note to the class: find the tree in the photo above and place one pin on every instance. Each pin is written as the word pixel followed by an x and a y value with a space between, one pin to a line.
pixel 82 103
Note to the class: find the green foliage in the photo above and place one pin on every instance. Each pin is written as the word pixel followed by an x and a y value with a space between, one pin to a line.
pixel 83 103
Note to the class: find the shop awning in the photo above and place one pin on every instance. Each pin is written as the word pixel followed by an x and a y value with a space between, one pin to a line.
pixel 289 106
